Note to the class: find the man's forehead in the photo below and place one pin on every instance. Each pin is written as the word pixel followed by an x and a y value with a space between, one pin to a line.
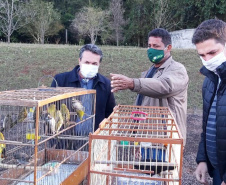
pixel 155 40
pixel 88 56
pixel 207 46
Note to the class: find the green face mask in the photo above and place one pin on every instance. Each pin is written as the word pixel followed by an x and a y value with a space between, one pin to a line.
pixel 155 55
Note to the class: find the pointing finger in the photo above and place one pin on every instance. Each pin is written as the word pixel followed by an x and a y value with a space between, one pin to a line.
pixel 116 76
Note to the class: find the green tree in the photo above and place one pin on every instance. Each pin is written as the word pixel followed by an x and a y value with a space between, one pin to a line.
pixel 138 15
pixel 194 12
pixel 163 15
pixel 103 4
pixel 68 9
pixel 117 19
pixel 13 16
pixel 90 22
pixel 45 23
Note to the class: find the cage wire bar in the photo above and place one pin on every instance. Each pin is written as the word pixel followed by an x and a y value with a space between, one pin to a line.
pixel 136 145
pixel 44 135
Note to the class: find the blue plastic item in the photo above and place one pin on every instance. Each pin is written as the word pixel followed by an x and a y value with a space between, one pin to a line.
pixel 154 153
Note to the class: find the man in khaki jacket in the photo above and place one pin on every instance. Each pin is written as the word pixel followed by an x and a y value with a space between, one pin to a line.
pixel 164 84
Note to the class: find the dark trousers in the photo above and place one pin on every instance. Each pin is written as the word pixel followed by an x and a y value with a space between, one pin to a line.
pixel 216 177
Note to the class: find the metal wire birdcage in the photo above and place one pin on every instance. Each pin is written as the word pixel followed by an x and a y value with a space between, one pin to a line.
pixel 44 135
pixel 136 145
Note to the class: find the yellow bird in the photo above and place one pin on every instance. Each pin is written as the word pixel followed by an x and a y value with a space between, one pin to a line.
pixel 65 113
pixel 54 118
pixel 59 121
pixel 77 105
pixel 51 110
pixel 2 147
pixel 22 114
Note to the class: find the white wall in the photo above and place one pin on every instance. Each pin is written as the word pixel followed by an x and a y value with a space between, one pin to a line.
pixel 182 38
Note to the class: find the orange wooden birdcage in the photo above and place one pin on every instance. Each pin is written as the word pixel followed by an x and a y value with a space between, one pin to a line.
pixel 44 135
pixel 136 145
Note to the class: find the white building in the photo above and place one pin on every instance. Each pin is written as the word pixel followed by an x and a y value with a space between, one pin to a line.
pixel 182 38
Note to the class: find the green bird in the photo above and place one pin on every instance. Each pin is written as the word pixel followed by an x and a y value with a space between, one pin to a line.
pixel 2 147
pixel 59 121
pixel 51 110
pixel 65 114
pixel 22 114
pixel 54 119
pixel 54 124
pixel 77 105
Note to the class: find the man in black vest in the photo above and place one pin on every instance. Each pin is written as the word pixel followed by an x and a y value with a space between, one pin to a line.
pixel 209 39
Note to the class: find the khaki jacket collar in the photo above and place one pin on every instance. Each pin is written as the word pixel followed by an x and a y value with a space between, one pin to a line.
pixel 164 65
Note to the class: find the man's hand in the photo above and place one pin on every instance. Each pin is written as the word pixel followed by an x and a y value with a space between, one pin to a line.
pixel 200 172
pixel 121 82
pixel 223 183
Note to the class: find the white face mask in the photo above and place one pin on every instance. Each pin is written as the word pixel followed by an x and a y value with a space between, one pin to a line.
pixel 214 62
pixel 88 70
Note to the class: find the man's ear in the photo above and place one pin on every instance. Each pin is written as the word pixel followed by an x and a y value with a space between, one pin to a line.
pixel 169 47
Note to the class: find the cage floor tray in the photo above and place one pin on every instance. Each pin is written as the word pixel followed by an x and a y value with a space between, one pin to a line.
pixel 133 181
pixel 56 177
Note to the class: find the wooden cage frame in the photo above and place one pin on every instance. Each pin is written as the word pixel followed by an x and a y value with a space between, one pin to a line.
pixel 106 125
pixel 37 97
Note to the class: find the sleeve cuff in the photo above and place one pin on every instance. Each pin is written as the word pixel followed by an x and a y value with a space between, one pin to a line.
pixel 137 85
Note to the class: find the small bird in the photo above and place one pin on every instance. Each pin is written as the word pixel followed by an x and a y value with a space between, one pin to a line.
pixel 22 158
pixel 77 105
pixel 7 123
pixel 22 114
pixel 50 125
pixel 65 114
pixel 2 147
pixel 51 110
pixel 59 121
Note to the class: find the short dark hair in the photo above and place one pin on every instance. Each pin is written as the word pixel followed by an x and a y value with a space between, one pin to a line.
pixel 93 48
pixel 162 33
pixel 210 29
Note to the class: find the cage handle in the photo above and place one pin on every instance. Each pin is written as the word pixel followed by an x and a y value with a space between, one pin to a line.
pixel 138 118
pixel 45 76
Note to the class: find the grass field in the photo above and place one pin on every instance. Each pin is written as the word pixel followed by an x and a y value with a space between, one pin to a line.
pixel 23 65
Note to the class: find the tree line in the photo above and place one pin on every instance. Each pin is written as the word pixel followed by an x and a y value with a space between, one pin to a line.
pixel 108 22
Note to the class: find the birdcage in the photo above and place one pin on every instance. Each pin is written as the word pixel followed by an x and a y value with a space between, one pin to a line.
pixel 136 145
pixel 44 135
